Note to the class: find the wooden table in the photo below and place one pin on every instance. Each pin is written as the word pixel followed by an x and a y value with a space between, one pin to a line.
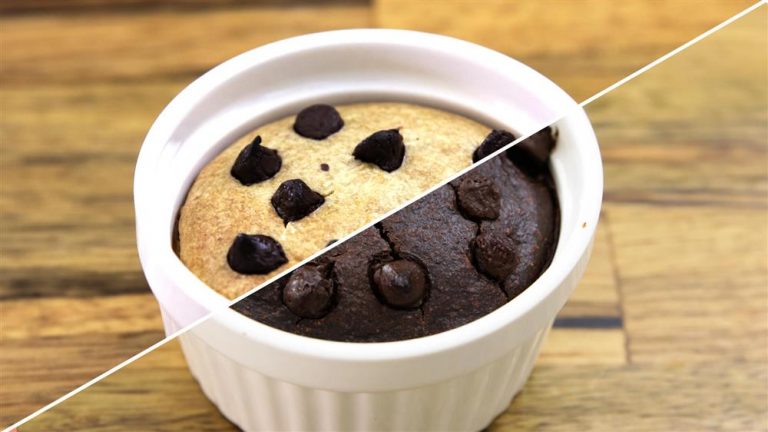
pixel 667 331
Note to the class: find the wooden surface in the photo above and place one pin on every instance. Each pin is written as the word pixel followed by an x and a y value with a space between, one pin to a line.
pixel 667 330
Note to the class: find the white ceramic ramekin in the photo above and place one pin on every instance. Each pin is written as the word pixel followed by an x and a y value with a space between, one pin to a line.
pixel 266 379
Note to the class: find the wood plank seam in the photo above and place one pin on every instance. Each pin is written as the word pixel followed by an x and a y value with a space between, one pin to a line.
pixel 617 283
pixel 84 7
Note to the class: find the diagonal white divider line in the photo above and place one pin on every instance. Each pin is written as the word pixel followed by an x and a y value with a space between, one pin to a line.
pixel 183 330
pixel 672 53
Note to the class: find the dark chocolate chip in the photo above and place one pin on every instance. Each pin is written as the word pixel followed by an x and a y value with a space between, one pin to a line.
pixel 493 256
pixel 495 140
pixel 318 122
pixel 309 292
pixel 532 154
pixel 401 284
pixel 384 149
pixel 324 167
pixel 255 254
pixel 294 200
pixel 255 163
pixel 478 197
pixel 330 242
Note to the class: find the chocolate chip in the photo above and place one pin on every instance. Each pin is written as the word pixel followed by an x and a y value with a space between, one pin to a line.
pixel 384 149
pixel 493 256
pixel 318 122
pixel 532 154
pixel 294 200
pixel 255 163
pixel 478 197
pixel 255 254
pixel 309 292
pixel 495 140
pixel 401 284
pixel 330 242
pixel 324 167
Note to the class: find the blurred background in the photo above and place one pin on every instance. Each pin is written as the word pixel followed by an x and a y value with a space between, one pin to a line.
pixel 81 81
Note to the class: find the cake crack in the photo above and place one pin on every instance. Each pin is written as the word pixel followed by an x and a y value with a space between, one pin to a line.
pixel 379 226
pixel 385 236
pixel 499 284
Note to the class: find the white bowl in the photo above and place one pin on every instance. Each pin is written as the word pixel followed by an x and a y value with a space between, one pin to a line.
pixel 262 378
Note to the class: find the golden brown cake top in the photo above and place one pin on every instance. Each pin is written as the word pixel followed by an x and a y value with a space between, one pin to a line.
pixel 219 206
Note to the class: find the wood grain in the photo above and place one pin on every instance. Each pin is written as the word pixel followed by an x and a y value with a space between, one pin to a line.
pixel 583 46
pixel 557 398
pixel 667 331
pixel 71 218
pixel 687 201
pixel 632 398
pixel 74 114
pixel 169 400
pixel 38 369
pixel 706 278
pixel 119 48
pixel 119 6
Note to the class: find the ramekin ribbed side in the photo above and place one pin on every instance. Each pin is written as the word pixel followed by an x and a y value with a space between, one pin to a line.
pixel 469 398
pixel 255 401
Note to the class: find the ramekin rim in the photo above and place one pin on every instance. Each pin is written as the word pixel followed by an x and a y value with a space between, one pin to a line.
pixel 378 351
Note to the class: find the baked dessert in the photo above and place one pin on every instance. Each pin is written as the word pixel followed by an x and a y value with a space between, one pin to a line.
pixel 449 258
pixel 287 189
